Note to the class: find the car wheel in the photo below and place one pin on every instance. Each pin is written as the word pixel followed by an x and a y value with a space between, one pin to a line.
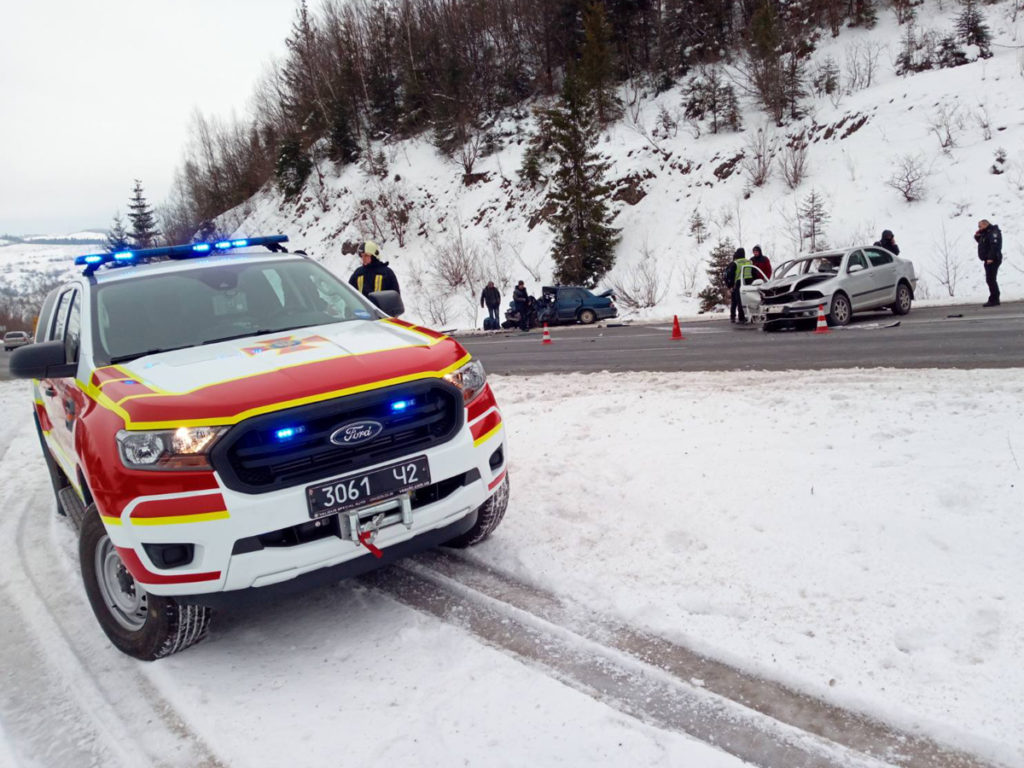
pixel 142 625
pixel 587 316
pixel 487 518
pixel 840 312
pixel 903 299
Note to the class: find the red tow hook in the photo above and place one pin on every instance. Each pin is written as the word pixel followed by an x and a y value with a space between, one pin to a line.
pixel 366 539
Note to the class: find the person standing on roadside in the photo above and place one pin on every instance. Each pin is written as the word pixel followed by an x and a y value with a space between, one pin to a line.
pixel 762 262
pixel 491 297
pixel 374 274
pixel 521 299
pixel 990 252
pixel 738 269
pixel 888 242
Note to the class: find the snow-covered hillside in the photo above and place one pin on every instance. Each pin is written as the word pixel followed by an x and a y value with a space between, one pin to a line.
pixel 857 140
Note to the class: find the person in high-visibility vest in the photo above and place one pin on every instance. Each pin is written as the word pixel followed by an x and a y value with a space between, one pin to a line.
pixel 374 275
pixel 738 272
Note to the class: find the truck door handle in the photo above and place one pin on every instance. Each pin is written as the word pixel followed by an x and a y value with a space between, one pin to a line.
pixel 49 391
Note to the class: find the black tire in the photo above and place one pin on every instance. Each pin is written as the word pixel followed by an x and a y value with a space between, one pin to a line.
pixel 139 624
pixel 487 518
pixel 840 310
pixel 587 316
pixel 903 299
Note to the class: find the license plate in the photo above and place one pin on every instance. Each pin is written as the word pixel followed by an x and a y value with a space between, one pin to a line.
pixel 776 310
pixel 368 487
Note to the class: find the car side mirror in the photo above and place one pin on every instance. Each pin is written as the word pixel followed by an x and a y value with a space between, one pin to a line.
pixel 855 268
pixel 757 281
pixel 46 360
pixel 389 302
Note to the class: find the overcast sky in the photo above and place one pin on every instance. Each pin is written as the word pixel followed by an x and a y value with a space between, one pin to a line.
pixel 96 93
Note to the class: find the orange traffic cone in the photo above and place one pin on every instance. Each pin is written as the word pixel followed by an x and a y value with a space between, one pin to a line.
pixel 822 322
pixel 547 335
pixel 676 333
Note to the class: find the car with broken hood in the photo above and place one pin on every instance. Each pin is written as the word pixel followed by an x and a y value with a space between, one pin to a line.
pixel 562 304
pixel 839 283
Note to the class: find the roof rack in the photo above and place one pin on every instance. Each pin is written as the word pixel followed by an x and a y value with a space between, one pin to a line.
pixel 127 258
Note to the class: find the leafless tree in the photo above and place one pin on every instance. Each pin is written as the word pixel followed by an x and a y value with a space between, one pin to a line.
pixel 689 270
pixel 469 151
pixel 862 64
pixel 759 155
pixel 946 123
pixel 909 177
pixel 984 121
pixel 951 266
pixel 793 162
pixel 640 286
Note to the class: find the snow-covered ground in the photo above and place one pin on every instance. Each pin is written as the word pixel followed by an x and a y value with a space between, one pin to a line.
pixel 854 534
pixel 858 141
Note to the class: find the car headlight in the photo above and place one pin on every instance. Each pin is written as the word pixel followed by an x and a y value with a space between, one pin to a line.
pixel 170 449
pixel 470 378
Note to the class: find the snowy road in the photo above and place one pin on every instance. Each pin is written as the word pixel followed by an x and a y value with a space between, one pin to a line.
pixel 642 585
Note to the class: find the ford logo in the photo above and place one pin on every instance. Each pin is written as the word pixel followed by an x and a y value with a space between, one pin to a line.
pixel 356 432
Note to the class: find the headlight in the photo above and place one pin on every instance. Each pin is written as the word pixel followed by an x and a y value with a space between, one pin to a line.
pixel 182 448
pixel 470 378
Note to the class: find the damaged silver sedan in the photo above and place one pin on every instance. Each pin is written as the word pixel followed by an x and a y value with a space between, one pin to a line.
pixel 841 282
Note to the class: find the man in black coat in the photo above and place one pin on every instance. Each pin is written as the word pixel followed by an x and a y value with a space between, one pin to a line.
pixel 990 252
pixel 522 300
pixel 491 297
pixel 374 275
pixel 888 242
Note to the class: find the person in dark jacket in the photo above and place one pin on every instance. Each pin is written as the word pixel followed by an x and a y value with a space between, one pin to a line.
pixel 522 299
pixel 491 298
pixel 888 242
pixel 990 252
pixel 735 273
pixel 374 274
pixel 761 261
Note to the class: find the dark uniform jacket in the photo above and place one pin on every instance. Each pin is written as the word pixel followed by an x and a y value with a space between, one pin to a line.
pixel 990 244
pixel 375 276
pixel 491 297
pixel 889 246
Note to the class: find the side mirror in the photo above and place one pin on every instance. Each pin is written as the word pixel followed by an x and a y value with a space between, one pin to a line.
pixel 45 360
pixel 855 268
pixel 389 302
pixel 757 281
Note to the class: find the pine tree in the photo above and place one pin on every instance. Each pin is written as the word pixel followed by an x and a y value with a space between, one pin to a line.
pixel 717 291
pixel 584 238
pixel 814 216
pixel 293 166
pixel 596 67
pixel 143 232
pixel 117 236
pixel 972 29
pixel 698 228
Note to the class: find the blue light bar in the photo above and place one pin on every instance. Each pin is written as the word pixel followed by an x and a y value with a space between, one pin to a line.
pixel 401 405
pixel 93 261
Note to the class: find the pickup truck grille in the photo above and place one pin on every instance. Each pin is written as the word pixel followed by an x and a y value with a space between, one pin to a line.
pixel 291 447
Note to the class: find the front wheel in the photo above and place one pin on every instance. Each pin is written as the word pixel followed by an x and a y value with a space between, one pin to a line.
pixel 139 624
pixel 903 299
pixel 840 312
pixel 487 518
pixel 587 316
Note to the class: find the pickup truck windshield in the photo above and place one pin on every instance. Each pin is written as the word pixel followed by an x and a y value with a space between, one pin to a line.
pixel 189 307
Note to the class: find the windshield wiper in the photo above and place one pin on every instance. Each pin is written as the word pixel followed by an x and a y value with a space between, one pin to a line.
pixel 137 355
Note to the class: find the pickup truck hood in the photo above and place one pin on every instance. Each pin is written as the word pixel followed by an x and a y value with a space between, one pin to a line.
pixel 226 382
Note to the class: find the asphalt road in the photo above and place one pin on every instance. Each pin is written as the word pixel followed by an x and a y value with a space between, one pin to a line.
pixel 964 336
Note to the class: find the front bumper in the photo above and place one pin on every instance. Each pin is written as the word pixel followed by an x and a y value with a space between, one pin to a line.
pixel 793 311
pixel 239 541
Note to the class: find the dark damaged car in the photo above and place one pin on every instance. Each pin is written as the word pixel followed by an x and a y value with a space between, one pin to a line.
pixel 842 282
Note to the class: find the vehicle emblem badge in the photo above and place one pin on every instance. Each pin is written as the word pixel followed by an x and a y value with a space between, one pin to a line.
pixel 356 432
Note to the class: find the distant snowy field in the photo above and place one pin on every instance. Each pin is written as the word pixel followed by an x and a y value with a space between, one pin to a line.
pixel 854 534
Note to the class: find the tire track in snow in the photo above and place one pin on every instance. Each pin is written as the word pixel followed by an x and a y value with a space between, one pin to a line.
pixel 68 697
pixel 648 677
